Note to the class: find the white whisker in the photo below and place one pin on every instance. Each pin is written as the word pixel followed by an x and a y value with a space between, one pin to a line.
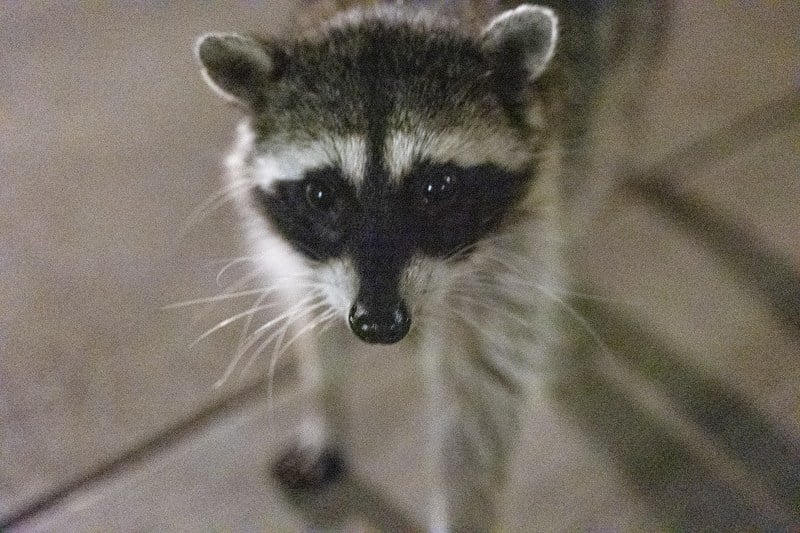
pixel 313 323
pixel 216 200
pixel 277 336
pixel 325 316
pixel 234 262
pixel 479 324
pixel 245 341
pixel 580 320
pixel 297 310
pixel 217 298
pixel 238 355
pixel 232 319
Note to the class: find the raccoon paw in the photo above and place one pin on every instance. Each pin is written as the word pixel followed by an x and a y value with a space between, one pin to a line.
pixel 300 469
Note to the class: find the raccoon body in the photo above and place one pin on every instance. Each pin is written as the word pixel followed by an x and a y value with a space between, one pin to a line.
pixel 399 175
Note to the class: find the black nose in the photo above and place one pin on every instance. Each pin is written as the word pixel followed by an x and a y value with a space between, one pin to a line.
pixel 379 324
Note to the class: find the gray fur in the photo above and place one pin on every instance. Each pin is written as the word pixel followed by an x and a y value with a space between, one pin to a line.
pixel 336 67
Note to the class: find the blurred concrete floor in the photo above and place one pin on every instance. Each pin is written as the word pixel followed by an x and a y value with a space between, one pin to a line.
pixel 109 418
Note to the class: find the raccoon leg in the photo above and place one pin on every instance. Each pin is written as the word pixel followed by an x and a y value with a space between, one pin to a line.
pixel 476 426
pixel 303 469
pixel 313 460
pixel 475 449
pixel 470 489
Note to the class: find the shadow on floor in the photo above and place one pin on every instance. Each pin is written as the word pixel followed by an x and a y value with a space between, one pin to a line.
pixel 684 488
pixel 766 272
pixel 344 503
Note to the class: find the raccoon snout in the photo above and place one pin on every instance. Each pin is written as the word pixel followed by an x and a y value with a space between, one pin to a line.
pixel 379 324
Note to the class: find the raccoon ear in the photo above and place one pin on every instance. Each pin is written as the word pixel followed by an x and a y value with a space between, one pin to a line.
pixel 524 37
pixel 237 67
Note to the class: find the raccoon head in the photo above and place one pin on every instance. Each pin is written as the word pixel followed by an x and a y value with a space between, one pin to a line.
pixel 382 149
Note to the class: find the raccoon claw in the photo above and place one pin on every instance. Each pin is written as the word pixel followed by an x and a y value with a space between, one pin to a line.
pixel 298 470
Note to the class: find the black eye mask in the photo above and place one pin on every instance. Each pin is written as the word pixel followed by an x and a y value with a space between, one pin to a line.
pixel 437 210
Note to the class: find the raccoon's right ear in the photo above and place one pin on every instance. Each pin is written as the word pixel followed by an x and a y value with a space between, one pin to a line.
pixel 522 40
pixel 238 68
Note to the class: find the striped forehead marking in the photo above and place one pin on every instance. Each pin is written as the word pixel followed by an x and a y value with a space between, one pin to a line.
pixel 356 156
pixel 290 162
pixel 463 147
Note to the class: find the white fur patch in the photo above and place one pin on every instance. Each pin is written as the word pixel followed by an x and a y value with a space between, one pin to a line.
pixel 462 147
pixel 341 284
pixel 287 162
pixel 242 148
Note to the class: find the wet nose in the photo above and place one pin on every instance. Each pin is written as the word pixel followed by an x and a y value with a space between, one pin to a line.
pixel 380 324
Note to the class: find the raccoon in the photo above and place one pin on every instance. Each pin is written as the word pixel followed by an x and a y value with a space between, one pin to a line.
pixel 400 174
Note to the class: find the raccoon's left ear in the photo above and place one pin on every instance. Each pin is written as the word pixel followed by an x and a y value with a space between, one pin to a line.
pixel 522 38
pixel 238 68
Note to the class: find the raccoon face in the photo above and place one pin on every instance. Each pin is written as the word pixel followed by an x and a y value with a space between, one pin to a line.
pixel 384 149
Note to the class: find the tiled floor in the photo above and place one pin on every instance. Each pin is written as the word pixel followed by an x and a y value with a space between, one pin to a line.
pixel 686 414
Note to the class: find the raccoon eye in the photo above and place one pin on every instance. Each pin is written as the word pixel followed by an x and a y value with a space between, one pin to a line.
pixel 439 189
pixel 319 196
